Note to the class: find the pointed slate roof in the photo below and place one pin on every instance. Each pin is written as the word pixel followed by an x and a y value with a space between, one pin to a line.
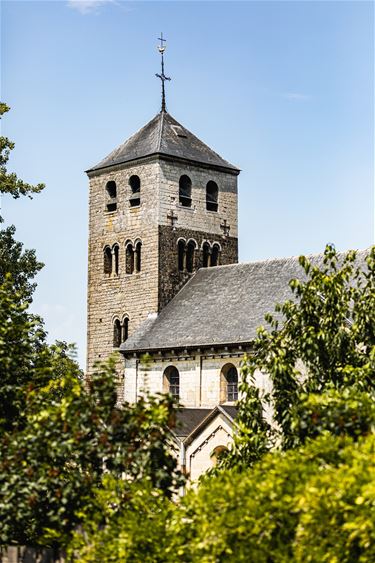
pixel 163 135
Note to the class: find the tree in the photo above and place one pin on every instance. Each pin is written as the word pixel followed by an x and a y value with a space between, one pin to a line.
pixel 59 435
pixel 21 264
pixel 309 504
pixel 9 181
pixel 50 470
pixel 320 355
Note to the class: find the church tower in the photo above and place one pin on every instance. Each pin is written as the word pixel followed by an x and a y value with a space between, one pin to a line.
pixel 161 205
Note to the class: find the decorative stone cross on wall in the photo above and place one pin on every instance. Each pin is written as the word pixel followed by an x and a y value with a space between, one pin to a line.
pixel 173 219
pixel 225 228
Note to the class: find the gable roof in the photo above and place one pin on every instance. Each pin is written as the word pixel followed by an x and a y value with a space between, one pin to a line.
pixel 163 135
pixel 222 305
pixel 191 421
pixel 188 419
pixel 229 413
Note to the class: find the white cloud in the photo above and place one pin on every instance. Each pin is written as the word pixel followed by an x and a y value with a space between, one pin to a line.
pixel 88 6
pixel 296 96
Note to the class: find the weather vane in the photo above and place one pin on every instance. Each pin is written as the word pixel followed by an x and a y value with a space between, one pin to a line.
pixel 163 78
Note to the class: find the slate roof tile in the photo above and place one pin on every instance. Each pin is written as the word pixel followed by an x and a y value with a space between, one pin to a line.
pixel 163 135
pixel 221 305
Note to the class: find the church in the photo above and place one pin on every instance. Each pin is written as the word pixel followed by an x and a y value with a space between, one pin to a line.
pixel 165 288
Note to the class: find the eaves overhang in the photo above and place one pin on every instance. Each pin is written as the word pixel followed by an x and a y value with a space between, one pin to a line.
pixel 91 172
pixel 242 346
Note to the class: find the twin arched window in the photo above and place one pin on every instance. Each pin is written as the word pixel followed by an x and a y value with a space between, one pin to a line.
pixel 111 193
pixel 120 331
pixel 228 384
pixel 171 381
pixel 212 193
pixel 187 255
pixel 111 264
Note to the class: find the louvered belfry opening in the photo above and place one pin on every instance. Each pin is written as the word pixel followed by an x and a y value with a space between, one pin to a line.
pixel 212 193
pixel 135 196
pixel 185 191
pixel 111 191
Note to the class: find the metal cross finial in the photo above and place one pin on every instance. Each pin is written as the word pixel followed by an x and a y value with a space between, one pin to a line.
pixel 163 78
pixel 225 228
pixel 173 219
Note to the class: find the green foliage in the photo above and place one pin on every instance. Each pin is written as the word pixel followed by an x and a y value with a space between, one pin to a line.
pixel 9 181
pixel 21 264
pixel 59 436
pixel 131 524
pixel 48 471
pixel 346 411
pixel 322 342
pixel 22 356
pixel 315 503
pixel 275 511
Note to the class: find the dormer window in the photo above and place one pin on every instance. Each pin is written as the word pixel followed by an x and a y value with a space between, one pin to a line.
pixel 135 196
pixel 111 191
pixel 185 191
pixel 179 131
pixel 212 192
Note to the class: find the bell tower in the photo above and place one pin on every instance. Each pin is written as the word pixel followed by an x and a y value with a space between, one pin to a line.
pixel 161 205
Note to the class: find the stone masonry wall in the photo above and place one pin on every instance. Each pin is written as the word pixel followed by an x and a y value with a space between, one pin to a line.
pixel 199 376
pixel 113 296
pixel 197 217
pixel 171 279
pixel 194 222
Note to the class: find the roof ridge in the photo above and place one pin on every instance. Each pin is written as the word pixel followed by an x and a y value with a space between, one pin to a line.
pixel 279 259
pixel 161 126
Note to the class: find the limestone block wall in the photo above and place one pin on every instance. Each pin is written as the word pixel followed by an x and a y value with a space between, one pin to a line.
pixel 199 377
pixel 193 223
pixel 197 217
pixel 115 295
pixel 199 452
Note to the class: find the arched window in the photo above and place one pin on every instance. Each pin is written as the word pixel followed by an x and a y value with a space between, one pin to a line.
pixel 135 185
pixel 111 190
pixel 215 255
pixel 129 258
pixel 181 255
pixel 171 381
pixel 228 384
pixel 212 192
pixel 138 250
pixel 217 453
pixel 107 260
pixel 125 329
pixel 115 252
pixel 206 254
pixel 185 191
pixel 190 256
pixel 116 333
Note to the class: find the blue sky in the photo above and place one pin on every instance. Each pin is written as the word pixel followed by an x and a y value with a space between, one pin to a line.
pixel 284 90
